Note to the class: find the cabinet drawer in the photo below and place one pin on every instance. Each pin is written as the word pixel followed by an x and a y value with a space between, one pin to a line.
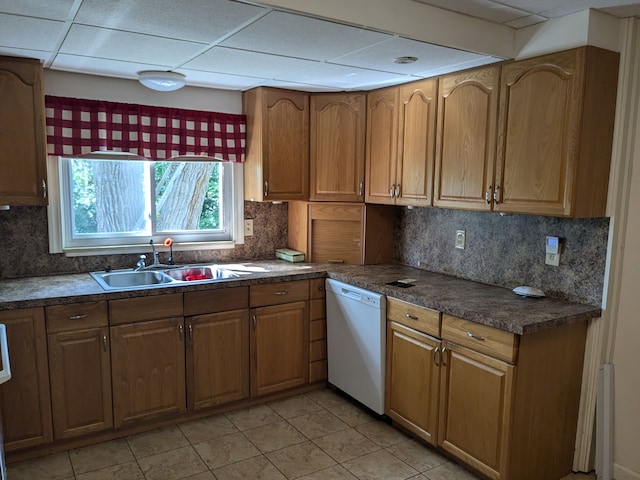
pixel 481 338
pixel 76 316
pixel 422 319
pixel 277 293
pixel 316 288
pixel 317 350
pixel 318 309
pixel 317 329
pixel 214 301
pixel 129 310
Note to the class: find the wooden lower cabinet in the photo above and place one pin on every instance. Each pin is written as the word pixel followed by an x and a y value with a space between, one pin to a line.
pixel 148 370
pixel 25 402
pixel 412 380
pixel 475 409
pixel 217 362
pixel 317 331
pixel 80 369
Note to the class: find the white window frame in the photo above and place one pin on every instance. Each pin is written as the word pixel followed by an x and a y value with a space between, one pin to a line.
pixel 59 244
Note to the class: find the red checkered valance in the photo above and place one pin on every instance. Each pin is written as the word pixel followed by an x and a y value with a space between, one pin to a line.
pixel 78 126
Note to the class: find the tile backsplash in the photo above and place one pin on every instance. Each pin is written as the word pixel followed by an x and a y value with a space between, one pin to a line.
pixel 507 250
pixel 25 244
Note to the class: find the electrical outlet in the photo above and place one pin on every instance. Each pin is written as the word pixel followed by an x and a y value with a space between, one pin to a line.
pixel 552 259
pixel 460 239
pixel 248 227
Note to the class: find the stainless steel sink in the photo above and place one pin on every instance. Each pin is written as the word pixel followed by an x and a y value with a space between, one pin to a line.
pixel 131 279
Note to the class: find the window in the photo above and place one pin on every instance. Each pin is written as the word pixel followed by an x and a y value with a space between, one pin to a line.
pixel 107 202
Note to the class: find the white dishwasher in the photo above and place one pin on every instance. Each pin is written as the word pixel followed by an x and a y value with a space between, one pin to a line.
pixel 356 342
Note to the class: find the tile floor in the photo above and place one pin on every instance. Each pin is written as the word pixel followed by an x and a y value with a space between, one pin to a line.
pixel 315 436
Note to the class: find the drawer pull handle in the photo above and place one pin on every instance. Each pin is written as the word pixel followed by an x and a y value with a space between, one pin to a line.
pixel 282 292
pixel 255 322
pixel 190 332
pixel 435 356
pixel 77 317
pixel 360 189
pixel 477 337
pixel 412 317
pixel 104 342
pixel 392 190
pixel 181 330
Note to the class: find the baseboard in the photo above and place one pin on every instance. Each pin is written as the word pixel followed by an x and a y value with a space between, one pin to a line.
pixel 621 473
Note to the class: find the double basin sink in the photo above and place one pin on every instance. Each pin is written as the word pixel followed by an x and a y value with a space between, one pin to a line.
pixel 163 277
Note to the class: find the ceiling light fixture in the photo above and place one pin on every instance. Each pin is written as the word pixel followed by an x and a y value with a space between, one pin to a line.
pixel 161 81
pixel 403 60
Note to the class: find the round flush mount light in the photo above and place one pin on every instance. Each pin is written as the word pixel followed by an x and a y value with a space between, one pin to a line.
pixel 403 60
pixel 161 81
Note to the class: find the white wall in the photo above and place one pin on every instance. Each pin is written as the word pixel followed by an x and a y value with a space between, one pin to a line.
pixel 66 84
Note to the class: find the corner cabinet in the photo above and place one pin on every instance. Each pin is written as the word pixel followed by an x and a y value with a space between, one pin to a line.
pixel 279 336
pixel 556 129
pixel 401 126
pixel 276 166
pixel 25 400
pixel 23 146
pixel 466 139
pixel 337 147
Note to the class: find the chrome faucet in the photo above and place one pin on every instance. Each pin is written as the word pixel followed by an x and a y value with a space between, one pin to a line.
pixel 155 254
pixel 140 263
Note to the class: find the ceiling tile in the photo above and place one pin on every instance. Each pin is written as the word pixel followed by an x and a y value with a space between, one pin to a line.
pixel 305 87
pixel 52 10
pixel 538 6
pixel 29 33
pixel 497 12
pixel 19 52
pixel 339 76
pixel 100 66
pixel 442 70
pixel 302 37
pixel 527 21
pixel 242 62
pixel 382 56
pixel 131 47
pixel 196 20
pixel 219 80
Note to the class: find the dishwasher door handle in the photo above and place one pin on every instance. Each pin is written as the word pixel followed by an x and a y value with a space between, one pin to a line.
pixel 351 294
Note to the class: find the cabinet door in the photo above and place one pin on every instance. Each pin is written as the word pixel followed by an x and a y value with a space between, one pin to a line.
pixel 466 139
pixel 279 347
pixel 147 370
pixel 217 358
pixel 22 133
pixel 337 147
pixel 382 145
pixel 25 399
pixel 417 142
pixel 286 145
pixel 412 380
pixel 336 233
pixel 80 367
pixel 475 409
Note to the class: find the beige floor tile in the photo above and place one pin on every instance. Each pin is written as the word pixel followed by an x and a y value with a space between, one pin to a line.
pixel 381 433
pixel 274 436
pixel 128 471
pixel 345 445
pixel 327 398
pixel 380 465
pixel 449 471
pixel 351 414
pixel 318 424
pixel 295 406
pixel 580 476
pixel 256 468
pixel 102 455
pixel 418 456
pixel 222 451
pixel 337 472
pixel 208 428
pixel 299 460
pixel 51 467
pixel 172 465
pixel 253 417
pixel 419 477
pixel 157 441
pixel 202 476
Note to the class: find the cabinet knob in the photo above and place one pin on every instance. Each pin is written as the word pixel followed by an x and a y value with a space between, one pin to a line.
pixel 443 358
pixel 360 189
pixel 496 200
pixel 487 194
pixel 396 191
pixel 44 189
pixel 392 190
pixel 435 356
pixel 266 188
pixel 104 342
pixel 255 322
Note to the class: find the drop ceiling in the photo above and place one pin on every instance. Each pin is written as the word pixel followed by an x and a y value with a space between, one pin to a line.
pixel 235 45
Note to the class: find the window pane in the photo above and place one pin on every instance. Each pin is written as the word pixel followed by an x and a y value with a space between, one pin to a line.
pixel 109 197
pixel 188 196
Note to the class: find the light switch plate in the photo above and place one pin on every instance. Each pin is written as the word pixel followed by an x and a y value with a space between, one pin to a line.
pixel 460 239
pixel 248 227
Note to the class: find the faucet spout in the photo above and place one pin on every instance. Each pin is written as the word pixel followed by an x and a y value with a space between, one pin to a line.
pixel 155 253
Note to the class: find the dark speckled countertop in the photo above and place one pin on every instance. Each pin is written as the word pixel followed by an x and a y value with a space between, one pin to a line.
pixel 485 304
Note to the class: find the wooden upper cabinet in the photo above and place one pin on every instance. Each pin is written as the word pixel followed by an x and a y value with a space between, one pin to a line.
pixel 277 159
pixel 401 126
pixel 337 147
pixel 417 130
pixel 23 144
pixel 466 139
pixel 556 123
pixel 382 145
